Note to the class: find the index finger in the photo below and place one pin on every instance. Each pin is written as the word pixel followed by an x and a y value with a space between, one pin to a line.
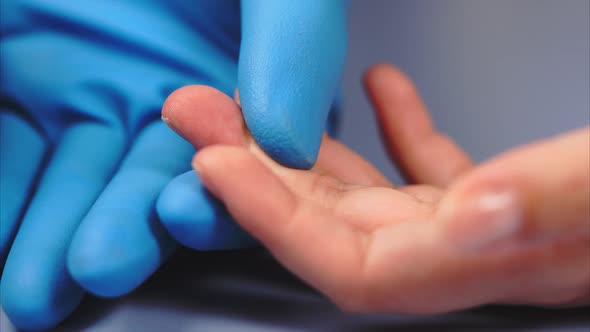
pixel 312 244
pixel 424 155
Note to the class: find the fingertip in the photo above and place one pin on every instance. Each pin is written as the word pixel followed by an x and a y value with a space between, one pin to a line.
pixel 176 99
pixel 407 129
pixel 106 271
pixel 252 193
pixel 112 260
pixel 91 270
pixel 290 138
pixel 374 70
pixel 218 162
pixel 385 78
pixel 196 219
pixel 204 115
pixel 186 95
pixel 285 111
pixel 28 301
pixel 207 158
pixel 219 157
pixel 208 163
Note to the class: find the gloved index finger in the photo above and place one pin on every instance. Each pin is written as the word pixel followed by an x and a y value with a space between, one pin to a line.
pixel 291 58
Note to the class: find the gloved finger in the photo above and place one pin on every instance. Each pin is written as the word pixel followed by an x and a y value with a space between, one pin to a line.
pixel 21 149
pixel 424 155
pixel 338 160
pixel 334 115
pixel 37 291
pixel 335 158
pixel 121 241
pixel 291 58
pixel 197 219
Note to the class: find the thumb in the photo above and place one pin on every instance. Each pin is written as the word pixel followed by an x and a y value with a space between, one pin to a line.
pixel 536 193
pixel 291 58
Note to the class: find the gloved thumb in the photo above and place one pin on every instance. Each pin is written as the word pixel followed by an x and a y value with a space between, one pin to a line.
pixel 291 57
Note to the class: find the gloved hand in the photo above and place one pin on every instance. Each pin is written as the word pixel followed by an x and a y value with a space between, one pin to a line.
pixel 83 153
pixel 291 57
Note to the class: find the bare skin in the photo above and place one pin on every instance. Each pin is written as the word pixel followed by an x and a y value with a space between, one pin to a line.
pixel 514 229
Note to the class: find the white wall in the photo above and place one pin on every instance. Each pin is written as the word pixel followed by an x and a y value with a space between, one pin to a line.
pixel 494 73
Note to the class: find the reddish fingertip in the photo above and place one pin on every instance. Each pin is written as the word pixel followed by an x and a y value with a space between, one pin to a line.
pixel 204 116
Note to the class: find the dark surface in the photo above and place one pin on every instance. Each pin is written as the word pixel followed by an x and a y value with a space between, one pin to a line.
pixel 249 291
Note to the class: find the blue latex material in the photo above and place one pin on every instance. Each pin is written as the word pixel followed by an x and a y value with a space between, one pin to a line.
pixel 196 219
pixel 286 94
pixel 84 155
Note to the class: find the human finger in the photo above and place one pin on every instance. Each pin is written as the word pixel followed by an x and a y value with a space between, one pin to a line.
pixel 424 155
pixel 206 116
pixel 320 249
pixel 203 116
pixel 533 193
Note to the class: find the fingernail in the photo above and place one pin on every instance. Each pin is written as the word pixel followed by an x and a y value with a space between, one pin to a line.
pixel 170 123
pixel 197 166
pixel 483 220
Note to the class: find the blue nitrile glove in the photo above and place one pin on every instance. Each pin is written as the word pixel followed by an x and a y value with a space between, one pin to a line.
pixel 83 153
pixel 291 57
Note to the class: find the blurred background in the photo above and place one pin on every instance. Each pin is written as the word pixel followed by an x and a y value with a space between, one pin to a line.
pixel 493 73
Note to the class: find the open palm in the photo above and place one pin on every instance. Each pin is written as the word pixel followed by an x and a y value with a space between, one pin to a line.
pixel 346 230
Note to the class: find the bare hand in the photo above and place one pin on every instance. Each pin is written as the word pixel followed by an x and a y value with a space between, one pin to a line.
pixel 515 229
